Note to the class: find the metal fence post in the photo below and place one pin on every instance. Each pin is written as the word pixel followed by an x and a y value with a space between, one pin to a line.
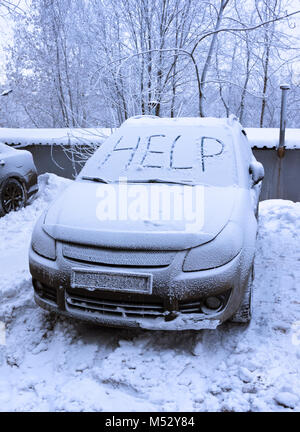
pixel 281 148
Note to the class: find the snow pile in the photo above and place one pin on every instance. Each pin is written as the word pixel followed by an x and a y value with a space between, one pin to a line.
pixel 16 227
pixel 52 363
pixel 269 138
pixel 24 137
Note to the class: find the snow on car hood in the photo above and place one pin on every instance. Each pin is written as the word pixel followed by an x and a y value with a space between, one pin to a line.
pixel 74 217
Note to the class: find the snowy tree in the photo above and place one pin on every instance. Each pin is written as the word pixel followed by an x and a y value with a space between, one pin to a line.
pixel 85 63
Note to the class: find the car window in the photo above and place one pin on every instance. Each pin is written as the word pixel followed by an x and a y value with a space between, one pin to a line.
pixel 197 155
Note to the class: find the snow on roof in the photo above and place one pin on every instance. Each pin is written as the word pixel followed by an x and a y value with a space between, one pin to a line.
pixel 258 137
pixel 24 137
pixel 269 138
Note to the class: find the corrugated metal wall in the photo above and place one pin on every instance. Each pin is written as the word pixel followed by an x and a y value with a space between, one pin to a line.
pixel 282 176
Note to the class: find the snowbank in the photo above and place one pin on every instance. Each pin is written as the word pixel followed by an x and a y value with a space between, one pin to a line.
pixel 51 363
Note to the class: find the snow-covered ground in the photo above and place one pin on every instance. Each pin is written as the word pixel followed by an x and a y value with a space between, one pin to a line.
pixel 51 363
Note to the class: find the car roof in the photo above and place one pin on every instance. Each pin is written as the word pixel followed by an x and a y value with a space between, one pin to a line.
pixel 209 122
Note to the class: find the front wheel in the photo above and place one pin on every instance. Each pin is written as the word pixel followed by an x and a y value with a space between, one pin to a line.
pixel 12 196
pixel 244 313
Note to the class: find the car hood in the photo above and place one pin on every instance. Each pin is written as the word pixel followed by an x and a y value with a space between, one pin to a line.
pixel 73 218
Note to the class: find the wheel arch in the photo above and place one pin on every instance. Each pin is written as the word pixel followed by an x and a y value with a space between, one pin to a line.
pixel 16 176
pixel 19 179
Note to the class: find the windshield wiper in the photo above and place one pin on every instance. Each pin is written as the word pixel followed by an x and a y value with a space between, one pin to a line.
pixel 154 180
pixel 95 179
pixel 158 180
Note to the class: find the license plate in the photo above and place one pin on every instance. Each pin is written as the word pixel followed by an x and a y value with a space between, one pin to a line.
pixel 140 283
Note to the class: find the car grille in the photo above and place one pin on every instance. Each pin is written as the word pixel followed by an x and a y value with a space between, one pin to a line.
pixel 114 307
pixel 115 257
pixel 190 306
pixel 122 304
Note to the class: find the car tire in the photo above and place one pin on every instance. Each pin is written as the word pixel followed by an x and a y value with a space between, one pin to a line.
pixel 244 313
pixel 11 189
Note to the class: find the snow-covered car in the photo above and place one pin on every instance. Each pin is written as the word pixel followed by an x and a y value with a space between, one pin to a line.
pixel 158 231
pixel 18 178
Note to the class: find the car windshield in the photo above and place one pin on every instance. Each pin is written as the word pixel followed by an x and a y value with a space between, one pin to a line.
pixel 186 155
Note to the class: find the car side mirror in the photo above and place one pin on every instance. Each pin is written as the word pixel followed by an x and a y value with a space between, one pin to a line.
pixel 257 172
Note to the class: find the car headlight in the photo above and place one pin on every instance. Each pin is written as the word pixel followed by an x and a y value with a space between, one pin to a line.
pixel 217 252
pixel 41 242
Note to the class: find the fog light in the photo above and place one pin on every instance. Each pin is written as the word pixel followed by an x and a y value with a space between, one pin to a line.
pixel 38 286
pixel 213 302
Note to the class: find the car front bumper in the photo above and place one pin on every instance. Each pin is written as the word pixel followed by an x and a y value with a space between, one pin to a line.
pixel 171 306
